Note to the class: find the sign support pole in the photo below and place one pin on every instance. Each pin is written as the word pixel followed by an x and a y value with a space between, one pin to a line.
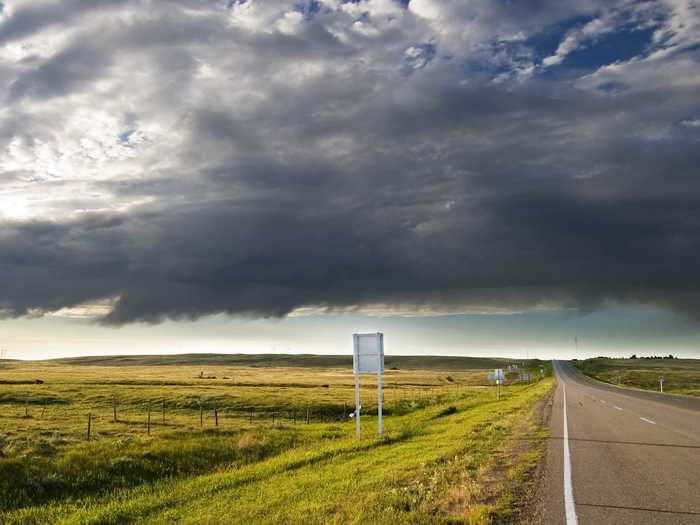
pixel 356 342
pixel 379 400
pixel 357 405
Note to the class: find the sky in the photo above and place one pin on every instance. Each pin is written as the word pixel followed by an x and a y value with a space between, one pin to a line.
pixel 471 177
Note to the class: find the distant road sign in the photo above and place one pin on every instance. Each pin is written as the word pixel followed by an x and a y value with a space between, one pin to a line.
pixel 500 376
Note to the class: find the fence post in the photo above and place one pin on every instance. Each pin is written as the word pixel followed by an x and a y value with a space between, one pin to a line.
pixel 89 426
pixel 114 408
pixel 273 418
pixel 307 416
pixel 216 416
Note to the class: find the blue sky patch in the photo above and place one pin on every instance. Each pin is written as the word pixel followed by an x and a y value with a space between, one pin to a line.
pixel 309 8
pixel 613 47
pixel 124 136
pixel 546 42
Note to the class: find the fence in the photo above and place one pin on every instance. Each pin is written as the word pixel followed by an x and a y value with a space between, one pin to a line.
pixel 148 415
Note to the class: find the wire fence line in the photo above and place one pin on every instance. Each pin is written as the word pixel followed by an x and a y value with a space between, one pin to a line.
pixel 159 412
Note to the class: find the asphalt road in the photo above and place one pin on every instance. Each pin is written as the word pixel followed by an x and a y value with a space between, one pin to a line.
pixel 633 457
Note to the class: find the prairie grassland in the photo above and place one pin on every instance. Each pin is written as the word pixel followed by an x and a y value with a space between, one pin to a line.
pixel 681 376
pixel 443 430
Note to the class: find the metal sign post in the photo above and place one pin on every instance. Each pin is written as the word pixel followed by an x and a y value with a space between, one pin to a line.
pixel 379 401
pixel 368 358
pixel 661 383
pixel 357 402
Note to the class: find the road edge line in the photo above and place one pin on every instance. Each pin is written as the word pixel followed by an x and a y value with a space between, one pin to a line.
pixel 571 518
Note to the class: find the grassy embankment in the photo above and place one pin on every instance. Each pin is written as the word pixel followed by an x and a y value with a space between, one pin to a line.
pixel 447 455
pixel 681 376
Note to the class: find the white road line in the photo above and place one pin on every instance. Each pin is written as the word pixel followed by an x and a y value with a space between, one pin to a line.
pixel 647 420
pixel 617 407
pixel 571 518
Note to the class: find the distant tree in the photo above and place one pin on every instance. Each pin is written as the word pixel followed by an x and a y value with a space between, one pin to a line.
pixel 634 356
pixel 670 356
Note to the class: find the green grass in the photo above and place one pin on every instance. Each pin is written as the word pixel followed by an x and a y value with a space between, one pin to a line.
pixel 434 464
pixel 681 376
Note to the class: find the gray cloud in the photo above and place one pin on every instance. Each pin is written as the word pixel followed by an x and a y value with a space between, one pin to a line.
pixel 277 160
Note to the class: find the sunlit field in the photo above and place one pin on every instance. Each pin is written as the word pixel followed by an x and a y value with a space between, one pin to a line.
pixel 681 376
pixel 264 440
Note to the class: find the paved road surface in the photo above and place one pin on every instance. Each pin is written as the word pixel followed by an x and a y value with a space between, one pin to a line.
pixel 634 457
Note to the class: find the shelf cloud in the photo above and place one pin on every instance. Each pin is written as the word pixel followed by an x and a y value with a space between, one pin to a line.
pixel 265 158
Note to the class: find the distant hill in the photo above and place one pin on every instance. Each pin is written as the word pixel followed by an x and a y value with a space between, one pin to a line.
pixel 288 360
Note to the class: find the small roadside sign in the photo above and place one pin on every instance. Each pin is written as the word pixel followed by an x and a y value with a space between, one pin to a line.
pixel 499 375
pixel 368 358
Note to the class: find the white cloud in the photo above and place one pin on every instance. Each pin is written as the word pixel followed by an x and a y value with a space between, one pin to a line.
pixel 691 123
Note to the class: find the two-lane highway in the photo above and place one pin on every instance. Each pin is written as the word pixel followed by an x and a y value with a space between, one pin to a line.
pixel 619 456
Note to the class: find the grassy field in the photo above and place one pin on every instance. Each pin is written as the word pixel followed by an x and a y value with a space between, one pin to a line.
pixel 235 440
pixel 681 376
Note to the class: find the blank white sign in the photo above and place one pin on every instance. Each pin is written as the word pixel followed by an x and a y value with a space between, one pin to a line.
pixel 368 355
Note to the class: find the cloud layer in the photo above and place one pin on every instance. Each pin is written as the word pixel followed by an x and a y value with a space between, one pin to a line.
pixel 185 158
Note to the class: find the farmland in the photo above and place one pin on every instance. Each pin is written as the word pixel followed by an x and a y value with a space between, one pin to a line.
pixel 264 439
pixel 681 376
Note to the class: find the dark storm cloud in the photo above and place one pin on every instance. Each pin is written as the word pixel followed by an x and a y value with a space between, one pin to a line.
pixel 66 73
pixel 276 161
pixel 30 18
